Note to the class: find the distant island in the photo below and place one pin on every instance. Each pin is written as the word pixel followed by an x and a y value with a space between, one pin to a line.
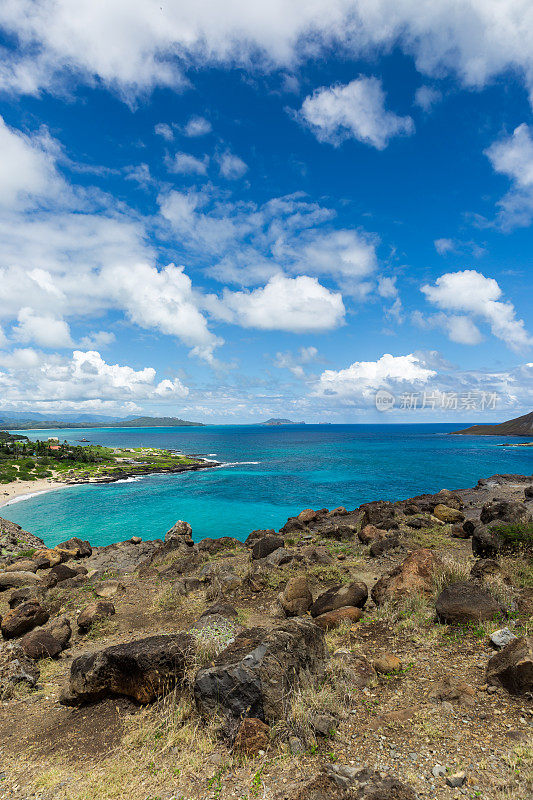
pixel 521 426
pixel 137 422
pixel 277 421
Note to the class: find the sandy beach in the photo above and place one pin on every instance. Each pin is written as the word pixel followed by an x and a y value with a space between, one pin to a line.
pixel 16 489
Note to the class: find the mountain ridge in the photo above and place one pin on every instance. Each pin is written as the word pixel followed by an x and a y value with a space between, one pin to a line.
pixel 520 426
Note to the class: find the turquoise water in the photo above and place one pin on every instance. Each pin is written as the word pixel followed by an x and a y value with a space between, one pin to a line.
pixel 268 475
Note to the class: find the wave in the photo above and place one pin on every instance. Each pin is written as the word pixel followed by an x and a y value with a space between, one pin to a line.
pixel 21 497
pixel 237 463
pixel 132 479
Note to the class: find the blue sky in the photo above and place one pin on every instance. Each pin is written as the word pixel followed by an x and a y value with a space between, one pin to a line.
pixel 237 211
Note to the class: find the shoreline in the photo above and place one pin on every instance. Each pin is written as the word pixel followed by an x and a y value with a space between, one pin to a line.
pixel 16 490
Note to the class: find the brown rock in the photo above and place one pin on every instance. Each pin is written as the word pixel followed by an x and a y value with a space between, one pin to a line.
pixel 464 602
pixel 369 533
pixel 453 692
pixel 24 565
pixel 94 612
pixel 74 548
pixel 48 558
pixel 447 514
pixel 109 588
pixel 332 619
pixel 252 737
pixel 296 598
pixel 263 547
pixel 40 644
pixel 307 515
pixel 413 575
pixel 387 663
pixel 340 511
pixel 512 667
pixel 14 580
pixel 354 594
pixel 23 618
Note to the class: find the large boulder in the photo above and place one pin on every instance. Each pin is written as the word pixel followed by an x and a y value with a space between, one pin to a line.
pixel 512 667
pixel 256 674
pixel 464 602
pixel 486 543
pixel 263 547
pixel 94 612
pixel 58 574
pixel 40 643
pixel 22 565
pixel 23 618
pixel 74 548
pixel 213 546
pixel 413 576
pixel 343 782
pixel 354 594
pixel 447 514
pixel 254 536
pixel 143 669
pixel 14 580
pixel 296 598
pixel 15 667
pixel 505 512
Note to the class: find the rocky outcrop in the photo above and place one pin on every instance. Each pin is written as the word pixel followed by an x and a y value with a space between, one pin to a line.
pixel 213 546
pixel 512 667
pixel 464 602
pixel 354 594
pixel 370 533
pixel 296 599
pixel 343 782
pixel 413 575
pixel 256 675
pixel 13 538
pixel 142 669
pixel 22 619
pixel 379 513
pixel 520 426
pixel 486 543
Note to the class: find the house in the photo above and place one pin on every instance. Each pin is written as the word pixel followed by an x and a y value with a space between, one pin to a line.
pixel 54 447
pixel 53 438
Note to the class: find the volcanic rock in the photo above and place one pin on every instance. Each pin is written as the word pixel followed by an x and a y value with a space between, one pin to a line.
pixel 23 618
pixel 413 575
pixel 464 602
pixel 296 598
pixel 354 594
pixel 512 667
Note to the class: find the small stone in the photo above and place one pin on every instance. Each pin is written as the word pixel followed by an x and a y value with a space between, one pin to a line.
pixel 456 780
pixel 295 745
pixel 387 663
pixel 502 637
pixel 438 770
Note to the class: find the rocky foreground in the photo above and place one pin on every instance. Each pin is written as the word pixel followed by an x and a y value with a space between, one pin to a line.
pixel 377 654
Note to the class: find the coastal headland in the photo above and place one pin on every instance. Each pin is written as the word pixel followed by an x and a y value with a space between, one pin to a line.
pixel 382 652
pixel 32 467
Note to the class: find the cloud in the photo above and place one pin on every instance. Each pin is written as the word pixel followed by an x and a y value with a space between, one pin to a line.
pixel 164 130
pixel 362 378
pixel 187 164
pixel 231 166
pixel 97 339
pixel 443 246
pixel 297 305
pixel 387 287
pixel 294 361
pixel 148 45
pixel 197 126
pixel 471 292
pixel 513 156
pixel 36 377
pixel 28 174
pixel 460 329
pixel 43 330
pixel 354 111
pixel 426 97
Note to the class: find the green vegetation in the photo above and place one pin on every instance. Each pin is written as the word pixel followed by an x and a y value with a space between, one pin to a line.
pixel 27 461
pixel 517 537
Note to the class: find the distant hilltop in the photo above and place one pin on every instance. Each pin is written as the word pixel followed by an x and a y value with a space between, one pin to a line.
pixel 521 426
pixel 275 421
pixel 138 422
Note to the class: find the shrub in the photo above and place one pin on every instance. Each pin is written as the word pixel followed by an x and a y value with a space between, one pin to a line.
pixel 516 537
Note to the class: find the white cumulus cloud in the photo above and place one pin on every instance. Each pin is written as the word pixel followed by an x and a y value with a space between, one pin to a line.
pixel 470 292
pixel 285 304
pixel 361 378
pixel 354 111
pixel 513 156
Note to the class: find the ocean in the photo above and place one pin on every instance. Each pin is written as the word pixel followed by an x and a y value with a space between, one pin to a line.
pixel 267 474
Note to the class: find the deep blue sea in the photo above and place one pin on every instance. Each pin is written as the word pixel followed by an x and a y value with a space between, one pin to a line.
pixel 268 474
